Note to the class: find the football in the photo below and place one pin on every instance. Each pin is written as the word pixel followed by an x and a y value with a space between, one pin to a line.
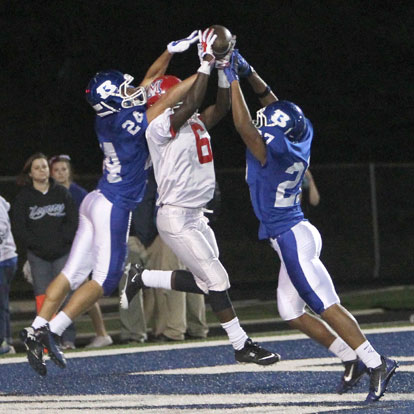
pixel 223 42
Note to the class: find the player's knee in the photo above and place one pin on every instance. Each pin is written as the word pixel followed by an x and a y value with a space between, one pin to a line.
pixel 183 281
pixel 287 312
pixel 219 300
pixel 218 277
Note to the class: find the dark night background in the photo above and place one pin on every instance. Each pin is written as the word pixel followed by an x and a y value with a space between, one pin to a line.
pixel 347 63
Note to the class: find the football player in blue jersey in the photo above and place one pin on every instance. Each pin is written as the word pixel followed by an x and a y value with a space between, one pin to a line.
pixel 100 243
pixel 278 154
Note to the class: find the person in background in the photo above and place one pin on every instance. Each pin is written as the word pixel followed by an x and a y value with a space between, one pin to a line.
pixel 310 194
pixel 278 154
pixel 61 170
pixel 44 218
pixel 141 236
pixel 8 265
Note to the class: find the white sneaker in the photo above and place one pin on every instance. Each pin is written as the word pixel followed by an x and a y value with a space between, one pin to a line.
pixel 67 345
pixel 5 348
pixel 100 341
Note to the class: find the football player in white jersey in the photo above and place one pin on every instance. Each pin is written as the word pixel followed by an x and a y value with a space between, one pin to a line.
pixel 278 154
pixel 181 154
pixel 100 244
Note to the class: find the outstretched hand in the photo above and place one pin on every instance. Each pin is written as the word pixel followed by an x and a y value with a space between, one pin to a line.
pixel 231 71
pixel 205 45
pixel 243 68
pixel 178 46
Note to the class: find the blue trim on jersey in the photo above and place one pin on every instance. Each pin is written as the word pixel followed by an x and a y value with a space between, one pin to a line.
pixel 289 251
pixel 119 229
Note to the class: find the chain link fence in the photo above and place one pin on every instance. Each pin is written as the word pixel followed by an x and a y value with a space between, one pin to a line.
pixel 365 217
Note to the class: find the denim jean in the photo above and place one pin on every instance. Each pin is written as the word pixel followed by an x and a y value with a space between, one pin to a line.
pixel 7 273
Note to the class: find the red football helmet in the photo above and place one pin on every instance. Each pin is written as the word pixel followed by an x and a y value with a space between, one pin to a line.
pixel 159 86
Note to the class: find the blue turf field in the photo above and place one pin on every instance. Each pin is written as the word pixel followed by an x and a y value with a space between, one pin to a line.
pixel 203 377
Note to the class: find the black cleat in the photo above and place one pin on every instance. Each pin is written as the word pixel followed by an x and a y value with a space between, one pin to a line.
pixel 253 352
pixel 354 371
pixel 133 284
pixel 51 342
pixel 380 377
pixel 34 350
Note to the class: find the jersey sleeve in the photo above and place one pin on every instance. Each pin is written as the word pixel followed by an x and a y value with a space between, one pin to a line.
pixel 159 130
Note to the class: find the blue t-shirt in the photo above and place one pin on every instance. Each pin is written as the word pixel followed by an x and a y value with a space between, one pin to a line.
pixel 122 139
pixel 275 187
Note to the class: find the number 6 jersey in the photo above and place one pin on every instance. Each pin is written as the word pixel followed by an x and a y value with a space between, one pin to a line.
pixel 183 161
pixel 276 186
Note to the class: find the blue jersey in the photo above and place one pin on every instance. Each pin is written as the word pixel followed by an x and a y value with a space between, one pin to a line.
pixel 122 139
pixel 275 187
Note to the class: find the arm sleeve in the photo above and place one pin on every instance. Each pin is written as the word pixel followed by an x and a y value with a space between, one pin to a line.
pixel 159 130
pixel 22 234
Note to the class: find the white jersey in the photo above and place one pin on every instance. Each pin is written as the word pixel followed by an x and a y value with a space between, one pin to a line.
pixel 183 162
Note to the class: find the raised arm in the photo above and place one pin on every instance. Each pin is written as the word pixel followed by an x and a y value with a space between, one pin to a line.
pixel 241 115
pixel 194 98
pixel 214 113
pixel 159 67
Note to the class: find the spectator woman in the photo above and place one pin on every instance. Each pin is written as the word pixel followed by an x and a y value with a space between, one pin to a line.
pixel 44 222
pixel 61 170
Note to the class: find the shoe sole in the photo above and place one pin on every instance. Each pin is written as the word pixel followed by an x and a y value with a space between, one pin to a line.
pixel 124 300
pixel 347 387
pixel 38 366
pixel 262 362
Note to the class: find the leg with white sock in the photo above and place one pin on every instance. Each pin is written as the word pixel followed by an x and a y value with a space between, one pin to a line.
pixel 348 329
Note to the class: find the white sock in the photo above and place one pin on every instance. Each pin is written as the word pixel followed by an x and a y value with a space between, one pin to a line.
pixel 59 323
pixel 235 332
pixel 368 355
pixel 342 350
pixel 38 322
pixel 157 278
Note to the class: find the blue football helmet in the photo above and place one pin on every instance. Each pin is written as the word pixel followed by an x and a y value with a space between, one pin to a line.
pixel 107 92
pixel 284 115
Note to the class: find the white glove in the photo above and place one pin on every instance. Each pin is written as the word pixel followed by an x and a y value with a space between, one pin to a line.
pixel 206 40
pixel 205 47
pixel 178 46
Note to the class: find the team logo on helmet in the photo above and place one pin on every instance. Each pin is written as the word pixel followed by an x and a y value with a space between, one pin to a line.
pixel 106 89
pixel 284 115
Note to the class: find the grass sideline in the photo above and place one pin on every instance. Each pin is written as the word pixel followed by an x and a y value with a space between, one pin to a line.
pixel 389 299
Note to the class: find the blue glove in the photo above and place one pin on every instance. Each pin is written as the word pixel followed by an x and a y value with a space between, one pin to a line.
pixel 244 69
pixel 231 71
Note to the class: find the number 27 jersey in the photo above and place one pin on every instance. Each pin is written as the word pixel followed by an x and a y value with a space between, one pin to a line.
pixel 275 187
pixel 183 162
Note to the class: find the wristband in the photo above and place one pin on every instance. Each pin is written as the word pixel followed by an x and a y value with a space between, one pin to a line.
pixel 205 67
pixel 264 93
pixel 222 80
